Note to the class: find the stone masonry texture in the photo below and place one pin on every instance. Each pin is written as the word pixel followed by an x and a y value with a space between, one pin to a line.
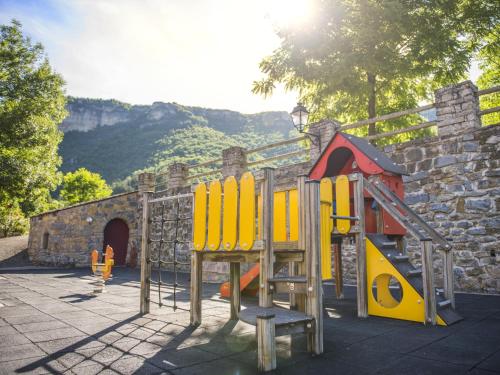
pixel 71 238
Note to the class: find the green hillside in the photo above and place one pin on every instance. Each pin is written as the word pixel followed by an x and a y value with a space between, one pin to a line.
pixel 116 139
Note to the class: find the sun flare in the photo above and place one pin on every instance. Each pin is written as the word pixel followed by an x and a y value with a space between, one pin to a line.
pixel 286 13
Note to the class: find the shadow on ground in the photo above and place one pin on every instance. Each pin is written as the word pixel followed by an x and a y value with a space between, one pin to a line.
pixel 52 325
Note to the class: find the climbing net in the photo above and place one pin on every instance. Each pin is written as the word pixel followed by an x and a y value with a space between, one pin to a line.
pixel 165 236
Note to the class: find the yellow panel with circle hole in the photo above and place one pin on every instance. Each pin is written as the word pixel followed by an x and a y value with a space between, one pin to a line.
pixel 247 211
pixel 200 217
pixel 379 271
pixel 342 198
pixel 230 215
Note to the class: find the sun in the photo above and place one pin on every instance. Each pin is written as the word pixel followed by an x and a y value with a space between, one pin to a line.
pixel 287 13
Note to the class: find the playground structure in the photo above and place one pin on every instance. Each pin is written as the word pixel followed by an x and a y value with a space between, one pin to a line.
pixel 352 190
pixel 102 271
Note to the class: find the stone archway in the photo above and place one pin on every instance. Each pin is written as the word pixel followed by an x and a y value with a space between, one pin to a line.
pixel 116 235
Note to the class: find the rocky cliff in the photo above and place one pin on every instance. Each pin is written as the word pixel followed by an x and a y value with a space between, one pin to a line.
pixel 88 114
pixel 117 139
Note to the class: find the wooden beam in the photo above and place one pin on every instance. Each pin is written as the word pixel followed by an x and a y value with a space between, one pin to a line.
pixel 389 116
pixel 234 280
pixel 300 300
pixel 428 282
pixel 292 271
pixel 145 264
pixel 339 279
pixel 314 303
pixel 359 211
pixel 276 144
pixel 422 125
pixel 196 287
pixel 449 286
pixel 266 342
pixel 266 255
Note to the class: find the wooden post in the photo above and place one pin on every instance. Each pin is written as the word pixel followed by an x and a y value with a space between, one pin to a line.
pixel 428 281
pixel 234 280
pixel 266 342
pixel 314 304
pixel 339 279
pixel 359 211
pixel 196 287
pixel 145 263
pixel 292 271
pixel 449 285
pixel 300 299
pixel 266 255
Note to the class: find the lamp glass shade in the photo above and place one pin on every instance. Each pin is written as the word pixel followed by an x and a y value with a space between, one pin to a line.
pixel 299 117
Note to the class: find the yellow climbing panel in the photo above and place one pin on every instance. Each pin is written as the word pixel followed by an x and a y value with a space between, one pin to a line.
pixel 293 206
pixel 214 215
pixel 230 216
pixel 326 226
pixel 279 216
pixel 343 203
pixel 379 271
pixel 200 216
pixel 247 211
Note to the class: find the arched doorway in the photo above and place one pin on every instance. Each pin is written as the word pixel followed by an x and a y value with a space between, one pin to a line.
pixel 116 236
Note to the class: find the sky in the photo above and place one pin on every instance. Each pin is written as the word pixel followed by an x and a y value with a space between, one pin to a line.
pixel 194 52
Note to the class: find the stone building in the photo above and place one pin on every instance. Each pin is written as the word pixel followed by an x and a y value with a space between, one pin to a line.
pixel 453 183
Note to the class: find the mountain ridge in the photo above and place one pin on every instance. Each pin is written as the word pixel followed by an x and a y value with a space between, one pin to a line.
pixel 118 139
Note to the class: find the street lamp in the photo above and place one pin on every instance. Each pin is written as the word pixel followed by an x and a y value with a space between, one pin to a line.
pixel 299 117
pixel 300 114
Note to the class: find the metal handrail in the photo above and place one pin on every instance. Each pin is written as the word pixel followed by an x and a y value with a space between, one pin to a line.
pixel 401 205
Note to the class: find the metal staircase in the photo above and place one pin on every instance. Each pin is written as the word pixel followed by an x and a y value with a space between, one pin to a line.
pixel 413 276
pixel 436 300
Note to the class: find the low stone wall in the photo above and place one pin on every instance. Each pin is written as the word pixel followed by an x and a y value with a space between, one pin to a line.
pixel 70 238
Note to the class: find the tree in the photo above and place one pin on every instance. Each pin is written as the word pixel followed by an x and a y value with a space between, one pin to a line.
pixel 12 220
pixel 31 107
pixel 82 186
pixel 359 58
pixel 489 62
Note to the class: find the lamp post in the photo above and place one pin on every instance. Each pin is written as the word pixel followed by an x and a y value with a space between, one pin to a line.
pixel 300 115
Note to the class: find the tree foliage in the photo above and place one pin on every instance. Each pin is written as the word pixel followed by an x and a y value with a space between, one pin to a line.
pixel 489 62
pixel 83 186
pixel 363 58
pixel 31 107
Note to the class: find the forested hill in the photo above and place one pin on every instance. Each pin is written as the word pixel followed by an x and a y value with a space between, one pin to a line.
pixel 117 139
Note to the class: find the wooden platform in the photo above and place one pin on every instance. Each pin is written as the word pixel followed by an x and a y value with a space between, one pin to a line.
pixel 281 316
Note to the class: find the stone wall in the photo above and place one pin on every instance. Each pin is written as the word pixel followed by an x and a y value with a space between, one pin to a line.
pixel 454 185
pixel 71 235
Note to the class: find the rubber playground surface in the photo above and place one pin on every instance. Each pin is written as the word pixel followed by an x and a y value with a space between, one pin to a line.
pixel 50 323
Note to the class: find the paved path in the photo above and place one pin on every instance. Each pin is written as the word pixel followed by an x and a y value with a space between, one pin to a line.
pixel 14 251
pixel 50 324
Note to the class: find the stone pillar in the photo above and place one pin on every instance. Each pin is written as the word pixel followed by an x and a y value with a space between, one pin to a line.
pixel 325 129
pixel 146 182
pixel 234 161
pixel 177 175
pixel 457 108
